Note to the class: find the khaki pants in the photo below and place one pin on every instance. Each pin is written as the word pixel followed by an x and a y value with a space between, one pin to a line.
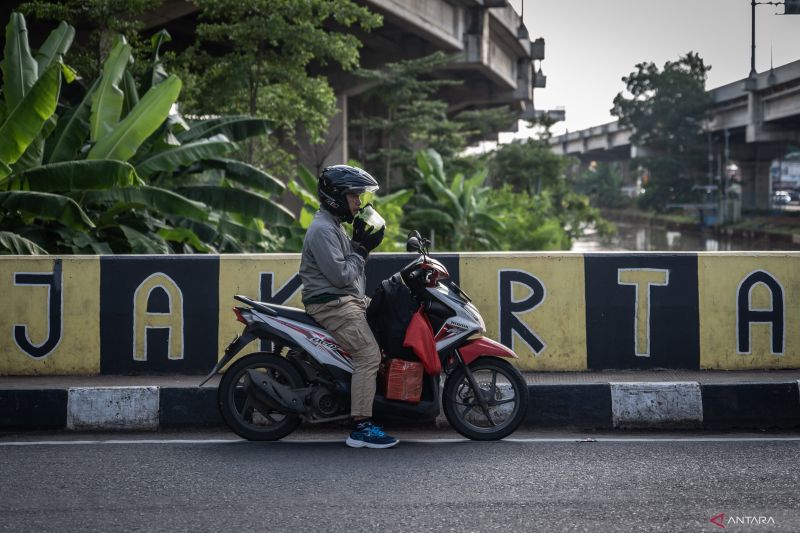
pixel 346 319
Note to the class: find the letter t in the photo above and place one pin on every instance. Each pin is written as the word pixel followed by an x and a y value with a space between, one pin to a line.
pixel 642 279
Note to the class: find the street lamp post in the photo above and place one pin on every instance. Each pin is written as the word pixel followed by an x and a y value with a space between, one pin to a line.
pixel 791 7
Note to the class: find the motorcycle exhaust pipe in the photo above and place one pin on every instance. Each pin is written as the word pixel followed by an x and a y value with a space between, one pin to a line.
pixel 274 395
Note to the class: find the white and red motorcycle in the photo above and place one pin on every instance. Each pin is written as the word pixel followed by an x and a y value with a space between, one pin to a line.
pixel 306 376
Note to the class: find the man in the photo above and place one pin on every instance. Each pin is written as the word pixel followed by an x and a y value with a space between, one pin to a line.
pixel 332 271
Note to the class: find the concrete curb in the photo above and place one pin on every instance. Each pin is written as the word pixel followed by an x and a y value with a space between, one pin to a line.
pixel 654 405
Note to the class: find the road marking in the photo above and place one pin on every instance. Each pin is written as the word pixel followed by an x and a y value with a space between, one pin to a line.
pixel 533 440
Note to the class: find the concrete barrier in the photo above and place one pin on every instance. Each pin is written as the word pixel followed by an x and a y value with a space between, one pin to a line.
pixel 654 405
pixel 92 315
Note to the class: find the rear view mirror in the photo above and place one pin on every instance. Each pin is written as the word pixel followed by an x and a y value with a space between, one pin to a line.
pixel 413 245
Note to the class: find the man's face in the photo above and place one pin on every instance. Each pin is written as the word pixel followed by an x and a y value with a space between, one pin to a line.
pixel 354 202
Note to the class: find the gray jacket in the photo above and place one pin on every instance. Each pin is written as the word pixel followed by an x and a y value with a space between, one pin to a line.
pixel 328 264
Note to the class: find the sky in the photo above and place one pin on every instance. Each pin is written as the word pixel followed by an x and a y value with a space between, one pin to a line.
pixel 591 44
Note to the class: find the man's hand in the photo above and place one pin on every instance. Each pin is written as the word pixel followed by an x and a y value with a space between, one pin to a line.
pixel 363 242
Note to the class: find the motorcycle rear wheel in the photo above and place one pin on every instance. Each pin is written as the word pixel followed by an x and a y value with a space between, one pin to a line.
pixel 506 394
pixel 248 418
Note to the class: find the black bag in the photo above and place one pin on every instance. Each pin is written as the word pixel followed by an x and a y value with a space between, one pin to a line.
pixel 389 314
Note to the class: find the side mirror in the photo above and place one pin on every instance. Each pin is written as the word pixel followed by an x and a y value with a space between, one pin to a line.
pixel 413 245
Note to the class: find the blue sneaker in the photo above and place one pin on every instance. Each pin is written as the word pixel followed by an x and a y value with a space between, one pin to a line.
pixel 370 436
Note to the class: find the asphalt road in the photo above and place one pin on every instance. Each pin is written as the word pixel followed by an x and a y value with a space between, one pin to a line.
pixel 429 482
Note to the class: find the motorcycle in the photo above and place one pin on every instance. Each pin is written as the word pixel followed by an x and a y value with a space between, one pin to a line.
pixel 266 395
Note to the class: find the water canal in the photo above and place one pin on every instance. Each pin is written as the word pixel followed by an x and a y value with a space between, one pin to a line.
pixel 636 238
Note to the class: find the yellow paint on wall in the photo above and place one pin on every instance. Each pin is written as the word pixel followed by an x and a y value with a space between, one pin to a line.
pixel 241 274
pixel 78 351
pixel 559 321
pixel 719 278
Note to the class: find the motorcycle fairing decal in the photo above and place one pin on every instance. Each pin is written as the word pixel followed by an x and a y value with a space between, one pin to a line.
pixel 320 346
pixel 484 346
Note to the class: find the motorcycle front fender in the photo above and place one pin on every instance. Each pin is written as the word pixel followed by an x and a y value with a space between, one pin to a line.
pixel 483 346
pixel 233 348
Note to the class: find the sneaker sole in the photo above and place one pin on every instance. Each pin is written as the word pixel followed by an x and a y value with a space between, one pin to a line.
pixel 353 443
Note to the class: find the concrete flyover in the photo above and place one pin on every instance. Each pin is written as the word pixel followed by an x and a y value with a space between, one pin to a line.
pixel 489 48
pixel 752 122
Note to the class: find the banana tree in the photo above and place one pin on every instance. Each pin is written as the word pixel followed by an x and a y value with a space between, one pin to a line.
pixel 117 173
pixel 456 211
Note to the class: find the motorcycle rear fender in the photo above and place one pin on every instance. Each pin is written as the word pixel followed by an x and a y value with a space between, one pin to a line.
pixel 233 348
pixel 483 346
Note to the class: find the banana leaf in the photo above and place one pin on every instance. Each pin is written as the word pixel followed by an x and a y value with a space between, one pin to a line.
pixel 19 68
pixel 144 244
pixel 310 201
pixel 157 73
pixel 236 128
pixel 55 47
pixel 34 153
pixel 169 160
pixel 108 100
pixel 130 92
pixel 19 245
pixel 25 122
pixel 78 176
pixel 245 203
pixel 308 180
pixel 71 131
pixel 184 235
pixel 429 217
pixel 46 206
pixel 247 175
pixel 161 200
pixel 141 122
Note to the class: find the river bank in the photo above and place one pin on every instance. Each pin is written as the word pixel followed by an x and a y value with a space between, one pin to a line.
pixel 781 227
pixel 639 231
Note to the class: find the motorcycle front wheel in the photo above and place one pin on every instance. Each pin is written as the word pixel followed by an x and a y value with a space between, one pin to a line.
pixel 505 392
pixel 247 417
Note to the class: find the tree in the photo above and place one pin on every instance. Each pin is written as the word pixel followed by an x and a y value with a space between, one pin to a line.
pixel 602 182
pixel 255 56
pixel 102 21
pixel 456 210
pixel 406 117
pixel 666 110
pixel 527 165
pixel 121 173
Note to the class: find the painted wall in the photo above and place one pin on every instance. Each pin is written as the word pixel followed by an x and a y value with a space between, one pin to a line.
pixel 560 311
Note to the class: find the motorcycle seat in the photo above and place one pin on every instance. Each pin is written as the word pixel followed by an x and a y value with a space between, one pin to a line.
pixel 291 313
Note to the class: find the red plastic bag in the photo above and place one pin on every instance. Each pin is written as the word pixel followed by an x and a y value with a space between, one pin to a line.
pixel 419 337
pixel 404 381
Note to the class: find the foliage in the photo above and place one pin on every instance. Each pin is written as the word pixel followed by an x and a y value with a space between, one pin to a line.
pixel 406 117
pixel 254 57
pixel 528 166
pixel 102 20
pixel 601 182
pixel 666 109
pixel 390 207
pixel 121 173
pixel 529 221
pixel 455 211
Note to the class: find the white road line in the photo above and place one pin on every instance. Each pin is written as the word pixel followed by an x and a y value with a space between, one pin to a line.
pixel 591 440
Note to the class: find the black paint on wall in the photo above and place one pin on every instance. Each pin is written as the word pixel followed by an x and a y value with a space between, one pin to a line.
pixel 198 280
pixel 674 336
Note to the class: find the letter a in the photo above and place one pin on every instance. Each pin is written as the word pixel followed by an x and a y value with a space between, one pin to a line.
pixel 746 315
pixel 143 319
pixel 642 279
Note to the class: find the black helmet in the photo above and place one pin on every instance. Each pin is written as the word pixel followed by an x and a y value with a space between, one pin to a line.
pixel 337 181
